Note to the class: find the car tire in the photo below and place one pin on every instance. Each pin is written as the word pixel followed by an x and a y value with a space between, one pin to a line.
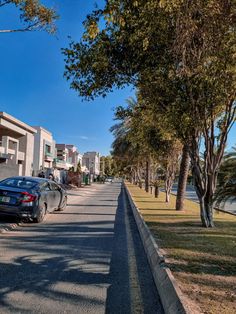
pixel 40 215
pixel 63 204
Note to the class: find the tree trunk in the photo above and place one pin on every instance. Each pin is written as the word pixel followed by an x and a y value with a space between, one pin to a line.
pixel 168 187
pixel 183 176
pixel 206 213
pixel 147 177
pixel 167 196
pixel 136 177
pixel 156 191
pixel 205 190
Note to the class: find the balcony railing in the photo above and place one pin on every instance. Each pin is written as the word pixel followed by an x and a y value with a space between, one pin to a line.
pixel 59 161
pixel 21 156
pixel 10 152
pixel 48 156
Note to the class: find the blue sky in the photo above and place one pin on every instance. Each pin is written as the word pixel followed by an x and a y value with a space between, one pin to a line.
pixel 32 87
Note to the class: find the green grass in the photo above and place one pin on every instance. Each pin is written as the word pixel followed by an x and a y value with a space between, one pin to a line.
pixel 202 260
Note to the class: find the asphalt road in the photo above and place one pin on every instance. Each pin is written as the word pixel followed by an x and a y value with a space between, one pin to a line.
pixel 87 259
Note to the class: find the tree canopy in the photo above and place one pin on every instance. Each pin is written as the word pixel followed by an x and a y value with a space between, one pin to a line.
pixel 34 16
pixel 181 56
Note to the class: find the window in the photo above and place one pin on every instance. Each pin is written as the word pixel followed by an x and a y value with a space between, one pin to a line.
pixel 47 149
pixel 45 187
pixel 54 186
pixel 19 183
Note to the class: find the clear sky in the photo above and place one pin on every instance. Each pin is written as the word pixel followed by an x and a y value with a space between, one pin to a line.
pixel 32 87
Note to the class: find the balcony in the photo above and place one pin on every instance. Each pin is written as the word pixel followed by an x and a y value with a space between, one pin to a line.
pixel 59 164
pixel 48 156
pixel 11 151
pixel 21 156
pixel 2 150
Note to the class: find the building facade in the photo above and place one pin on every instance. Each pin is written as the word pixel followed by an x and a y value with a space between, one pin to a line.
pixel 16 147
pixel 44 151
pixel 91 160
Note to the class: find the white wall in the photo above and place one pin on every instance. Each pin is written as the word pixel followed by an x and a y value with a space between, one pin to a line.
pixel 9 171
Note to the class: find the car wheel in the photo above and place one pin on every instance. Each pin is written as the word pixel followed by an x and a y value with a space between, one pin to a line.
pixel 41 214
pixel 63 204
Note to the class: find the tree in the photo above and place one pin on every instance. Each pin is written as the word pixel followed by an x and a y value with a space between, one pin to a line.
pixel 205 55
pixel 78 168
pixel 153 141
pixel 181 55
pixel 126 51
pixel 108 166
pixel 226 187
pixel 183 177
pixel 124 151
pixel 34 16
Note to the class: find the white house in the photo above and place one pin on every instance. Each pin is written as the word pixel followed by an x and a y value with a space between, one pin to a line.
pixel 16 147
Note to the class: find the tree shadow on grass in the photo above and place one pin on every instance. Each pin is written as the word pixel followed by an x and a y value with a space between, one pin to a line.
pixel 154 201
pixel 198 250
pixel 159 209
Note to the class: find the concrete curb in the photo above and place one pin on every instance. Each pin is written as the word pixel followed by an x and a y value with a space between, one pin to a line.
pixel 172 298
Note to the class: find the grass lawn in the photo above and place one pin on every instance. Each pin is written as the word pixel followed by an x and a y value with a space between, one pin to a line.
pixel 202 260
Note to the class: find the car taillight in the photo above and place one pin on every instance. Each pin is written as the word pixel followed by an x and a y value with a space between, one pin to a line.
pixel 27 197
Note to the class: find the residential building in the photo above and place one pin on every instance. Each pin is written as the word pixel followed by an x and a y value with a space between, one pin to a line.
pixel 91 160
pixel 44 151
pixel 73 155
pixel 64 156
pixel 69 155
pixel 16 147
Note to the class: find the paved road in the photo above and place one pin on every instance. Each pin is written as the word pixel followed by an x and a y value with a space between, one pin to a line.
pixel 87 259
pixel 191 194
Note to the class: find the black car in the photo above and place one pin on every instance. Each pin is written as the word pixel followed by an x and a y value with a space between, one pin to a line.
pixel 31 197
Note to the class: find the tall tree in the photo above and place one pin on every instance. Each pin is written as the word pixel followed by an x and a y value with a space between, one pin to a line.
pixel 205 55
pixel 183 177
pixel 182 55
pixel 34 16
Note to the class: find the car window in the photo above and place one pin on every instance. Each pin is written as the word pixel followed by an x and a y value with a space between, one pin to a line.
pixel 54 186
pixel 19 183
pixel 45 187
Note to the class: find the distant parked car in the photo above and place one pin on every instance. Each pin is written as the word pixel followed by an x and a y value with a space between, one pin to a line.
pixel 31 197
pixel 109 179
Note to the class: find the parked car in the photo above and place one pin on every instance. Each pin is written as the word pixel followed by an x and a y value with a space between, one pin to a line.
pixel 109 179
pixel 31 197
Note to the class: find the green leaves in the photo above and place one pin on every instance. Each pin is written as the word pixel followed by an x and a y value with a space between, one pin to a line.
pixel 34 15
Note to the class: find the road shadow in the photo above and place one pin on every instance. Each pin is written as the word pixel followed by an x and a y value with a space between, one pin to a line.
pixel 132 288
pixel 58 262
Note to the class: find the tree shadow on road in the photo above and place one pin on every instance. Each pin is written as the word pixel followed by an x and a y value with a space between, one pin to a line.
pixel 132 288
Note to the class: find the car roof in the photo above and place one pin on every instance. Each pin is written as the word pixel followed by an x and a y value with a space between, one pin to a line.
pixel 33 179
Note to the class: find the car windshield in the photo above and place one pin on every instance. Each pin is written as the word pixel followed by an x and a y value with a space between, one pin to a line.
pixel 18 183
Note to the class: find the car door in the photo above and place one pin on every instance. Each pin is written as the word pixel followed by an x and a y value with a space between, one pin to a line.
pixel 57 194
pixel 47 196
